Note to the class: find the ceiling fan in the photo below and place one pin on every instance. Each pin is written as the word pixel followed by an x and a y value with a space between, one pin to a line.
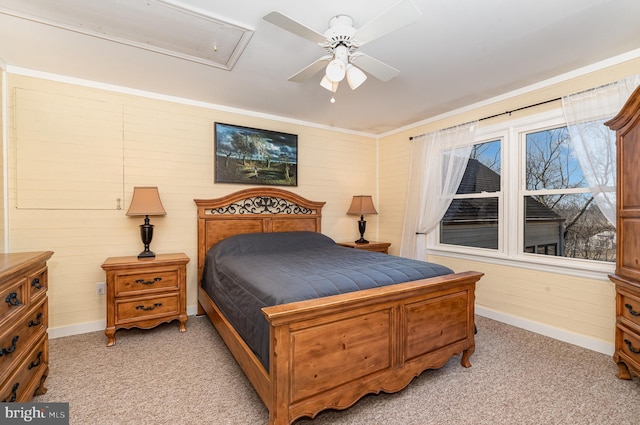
pixel 341 41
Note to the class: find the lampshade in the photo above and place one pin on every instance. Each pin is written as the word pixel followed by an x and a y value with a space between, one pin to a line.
pixel 355 77
pixel 361 205
pixel 337 68
pixel 329 85
pixel 146 201
pixel 336 71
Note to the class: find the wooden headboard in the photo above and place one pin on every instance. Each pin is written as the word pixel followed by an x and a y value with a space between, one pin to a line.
pixel 254 210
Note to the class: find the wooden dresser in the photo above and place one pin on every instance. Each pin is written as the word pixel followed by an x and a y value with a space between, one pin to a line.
pixel 143 293
pixel 627 277
pixel 24 356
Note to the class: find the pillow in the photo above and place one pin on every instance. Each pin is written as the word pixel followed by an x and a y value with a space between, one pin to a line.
pixel 259 243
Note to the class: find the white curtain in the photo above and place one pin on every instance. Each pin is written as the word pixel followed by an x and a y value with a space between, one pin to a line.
pixel 438 162
pixel 593 143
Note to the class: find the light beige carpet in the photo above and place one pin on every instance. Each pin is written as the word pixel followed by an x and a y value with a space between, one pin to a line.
pixel 162 376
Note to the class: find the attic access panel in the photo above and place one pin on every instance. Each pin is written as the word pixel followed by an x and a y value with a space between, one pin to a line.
pixel 155 25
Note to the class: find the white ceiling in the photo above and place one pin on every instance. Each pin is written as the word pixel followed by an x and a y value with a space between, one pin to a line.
pixel 458 53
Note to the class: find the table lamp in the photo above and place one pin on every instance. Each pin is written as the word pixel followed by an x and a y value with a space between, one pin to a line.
pixel 361 205
pixel 146 202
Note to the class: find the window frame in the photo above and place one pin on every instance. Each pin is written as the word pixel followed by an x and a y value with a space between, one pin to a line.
pixel 511 250
pixel 483 138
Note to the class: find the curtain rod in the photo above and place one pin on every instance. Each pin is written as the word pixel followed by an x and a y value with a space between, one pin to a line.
pixel 505 113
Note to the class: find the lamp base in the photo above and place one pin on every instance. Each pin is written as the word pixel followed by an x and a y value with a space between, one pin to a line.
pixel 362 226
pixel 147 254
pixel 146 233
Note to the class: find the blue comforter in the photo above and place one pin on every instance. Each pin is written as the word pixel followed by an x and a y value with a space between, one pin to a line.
pixel 244 273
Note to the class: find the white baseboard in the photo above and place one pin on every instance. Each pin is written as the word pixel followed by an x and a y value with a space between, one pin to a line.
pixel 542 329
pixel 81 328
pixel 539 328
pixel 98 325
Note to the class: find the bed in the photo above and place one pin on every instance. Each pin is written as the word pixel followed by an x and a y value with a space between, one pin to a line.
pixel 328 352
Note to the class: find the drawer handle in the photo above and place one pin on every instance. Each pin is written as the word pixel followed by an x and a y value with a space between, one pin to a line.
pixel 14 394
pixel 153 307
pixel 12 299
pixel 149 282
pixel 37 322
pixel 11 349
pixel 633 350
pixel 631 310
pixel 37 362
pixel 36 283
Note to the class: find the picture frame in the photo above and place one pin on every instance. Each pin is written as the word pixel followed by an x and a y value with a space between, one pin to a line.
pixel 248 155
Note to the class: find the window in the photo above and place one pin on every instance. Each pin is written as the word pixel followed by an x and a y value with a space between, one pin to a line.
pixel 472 217
pixel 560 215
pixel 523 196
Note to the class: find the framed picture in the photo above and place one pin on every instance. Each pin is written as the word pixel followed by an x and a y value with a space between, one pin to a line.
pixel 252 156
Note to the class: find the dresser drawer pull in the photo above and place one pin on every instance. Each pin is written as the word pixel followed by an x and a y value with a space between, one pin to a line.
pixel 36 283
pixel 37 362
pixel 631 348
pixel 10 349
pixel 12 299
pixel 631 310
pixel 14 394
pixel 37 322
pixel 153 307
pixel 149 282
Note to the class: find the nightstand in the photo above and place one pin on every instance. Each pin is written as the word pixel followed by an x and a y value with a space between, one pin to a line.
pixel 143 293
pixel 382 247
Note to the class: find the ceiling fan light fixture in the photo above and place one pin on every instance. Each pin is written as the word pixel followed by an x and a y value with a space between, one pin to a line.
pixel 355 76
pixel 342 40
pixel 336 70
pixel 328 84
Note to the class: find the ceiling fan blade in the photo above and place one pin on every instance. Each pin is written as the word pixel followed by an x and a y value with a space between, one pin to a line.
pixel 397 16
pixel 380 70
pixel 295 27
pixel 310 70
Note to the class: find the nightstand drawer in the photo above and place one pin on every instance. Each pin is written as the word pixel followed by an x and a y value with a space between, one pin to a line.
pixel 147 307
pixel 133 282
pixel 145 292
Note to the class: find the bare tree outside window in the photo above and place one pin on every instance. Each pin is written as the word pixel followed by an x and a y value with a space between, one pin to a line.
pixel 559 209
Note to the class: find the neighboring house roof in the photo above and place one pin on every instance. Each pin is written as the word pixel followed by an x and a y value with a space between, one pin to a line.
pixel 480 178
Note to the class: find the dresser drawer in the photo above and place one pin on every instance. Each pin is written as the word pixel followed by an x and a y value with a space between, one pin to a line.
pixel 18 339
pixel 630 346
pixel 132 282
pixel 134 309
pixel 13 300
pixel 38 284
pixel 26 377
pixel 630 307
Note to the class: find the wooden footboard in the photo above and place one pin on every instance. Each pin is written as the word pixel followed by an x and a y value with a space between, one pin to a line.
pixel 330 352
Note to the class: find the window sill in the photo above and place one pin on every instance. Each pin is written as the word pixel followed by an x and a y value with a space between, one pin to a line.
pixel 571 267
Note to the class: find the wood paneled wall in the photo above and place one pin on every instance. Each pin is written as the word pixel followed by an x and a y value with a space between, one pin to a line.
pixel 150 142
